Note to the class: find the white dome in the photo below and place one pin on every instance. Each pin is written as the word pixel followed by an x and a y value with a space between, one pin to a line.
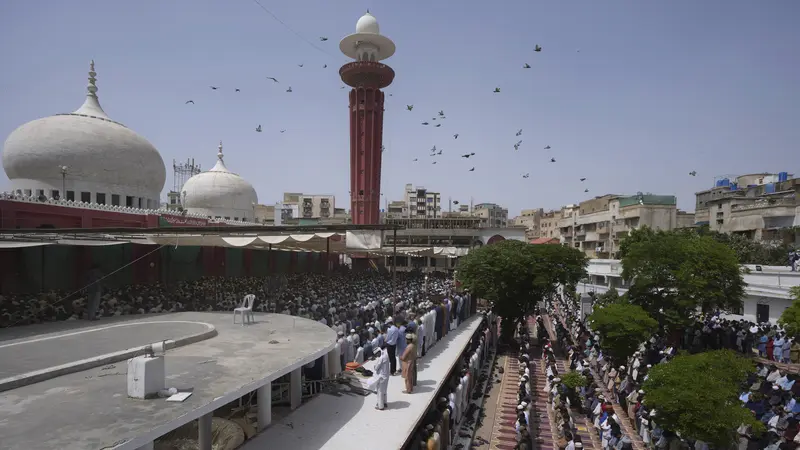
pixel 101 156
pixel 220 193
pixel 368 24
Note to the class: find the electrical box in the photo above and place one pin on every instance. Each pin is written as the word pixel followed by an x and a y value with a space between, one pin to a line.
pixel 146 376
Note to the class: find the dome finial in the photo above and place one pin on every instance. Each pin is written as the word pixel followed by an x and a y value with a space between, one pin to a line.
pixel 92 87
pixel 219 152
pixel 91 106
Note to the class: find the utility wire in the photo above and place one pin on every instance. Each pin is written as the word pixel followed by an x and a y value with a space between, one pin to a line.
pixel 277 19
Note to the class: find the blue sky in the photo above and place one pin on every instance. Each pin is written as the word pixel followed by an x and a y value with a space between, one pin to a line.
pixel 658 89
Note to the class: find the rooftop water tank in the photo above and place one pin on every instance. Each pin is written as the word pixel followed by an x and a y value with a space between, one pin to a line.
pixel 783 176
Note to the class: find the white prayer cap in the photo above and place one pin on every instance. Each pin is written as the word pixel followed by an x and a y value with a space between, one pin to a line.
pixel 775 387
pixel 578 445
pixel 653 413
pixel 520 407
pixel 641 391
pixel 621 367
pixel 352 330
pixel 661 352
pixel 557 380
pixel 341 333
pixel 376 350
pixel 389 319
pixel 524 404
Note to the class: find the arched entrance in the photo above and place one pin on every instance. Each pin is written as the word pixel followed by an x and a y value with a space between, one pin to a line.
pixel 495 239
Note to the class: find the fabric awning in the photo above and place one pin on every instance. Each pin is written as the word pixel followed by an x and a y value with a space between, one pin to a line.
pixel 15 244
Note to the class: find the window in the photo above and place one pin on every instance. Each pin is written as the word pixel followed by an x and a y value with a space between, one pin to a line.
pixel 237 219
pixel 71 196
pixel 86 197
pixel 55 194
pixel 129 201
pixel 101 198
pixel 39 192
pixel 140 202
pixel 115 199
pixel 227 218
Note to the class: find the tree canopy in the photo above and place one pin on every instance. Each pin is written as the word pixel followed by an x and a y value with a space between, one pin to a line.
pixel 790 318
pixel 675 273
pixel 608 297
pixel 622 328
pixel 697 396
pixel 747 250
pixel 516 275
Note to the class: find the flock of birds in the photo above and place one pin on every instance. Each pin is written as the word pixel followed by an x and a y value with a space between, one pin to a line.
pixel 438 119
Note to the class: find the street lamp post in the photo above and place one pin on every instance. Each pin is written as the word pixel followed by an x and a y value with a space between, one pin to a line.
pixel 63 170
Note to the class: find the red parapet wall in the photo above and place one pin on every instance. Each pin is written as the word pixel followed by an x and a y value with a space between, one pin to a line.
pixel 16 214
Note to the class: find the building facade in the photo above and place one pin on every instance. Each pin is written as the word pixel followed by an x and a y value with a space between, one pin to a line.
pixel 761 206
pixel 531 220
pixel 549 224
pixel 491 214
pixel 418 203
pixel 596 226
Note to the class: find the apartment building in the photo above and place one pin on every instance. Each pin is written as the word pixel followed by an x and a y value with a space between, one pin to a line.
pixel 303 209
pixel 761 206
pixel 491 215
pixel 548 224
pixel 418 202
pixel 596 226
pixel 531 220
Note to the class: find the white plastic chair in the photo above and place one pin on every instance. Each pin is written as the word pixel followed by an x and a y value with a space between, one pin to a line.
pixel 246 310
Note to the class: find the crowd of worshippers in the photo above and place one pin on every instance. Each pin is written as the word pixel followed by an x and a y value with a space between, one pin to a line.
pixel 458 405
pixel 525 393
pixel 769 392
pixel 303 294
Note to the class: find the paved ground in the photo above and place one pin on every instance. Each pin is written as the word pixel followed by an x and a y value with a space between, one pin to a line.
pixel 90 409
pixel 42 352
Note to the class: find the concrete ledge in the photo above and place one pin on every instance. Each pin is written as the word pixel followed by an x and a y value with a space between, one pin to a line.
pixel 37 376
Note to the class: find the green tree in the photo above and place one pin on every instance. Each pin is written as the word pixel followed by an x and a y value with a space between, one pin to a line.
pixel 515 275
pixel 790 318
pixel 674 274
pixel 622 328
pixel 609 297
pixel 697 396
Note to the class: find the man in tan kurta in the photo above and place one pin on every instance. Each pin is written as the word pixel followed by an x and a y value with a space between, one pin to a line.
pixel 409 362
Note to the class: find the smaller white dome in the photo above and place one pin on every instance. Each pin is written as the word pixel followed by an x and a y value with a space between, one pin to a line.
pixel 368 24
pixel 220 193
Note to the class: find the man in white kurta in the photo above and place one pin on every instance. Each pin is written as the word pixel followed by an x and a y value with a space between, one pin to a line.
pixel 381 372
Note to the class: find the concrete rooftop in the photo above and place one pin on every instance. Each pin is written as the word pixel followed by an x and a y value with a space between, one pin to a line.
pixel 91 410
pixel 345 421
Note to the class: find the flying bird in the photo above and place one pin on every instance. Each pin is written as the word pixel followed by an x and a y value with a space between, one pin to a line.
pixel 467 155
pixel 415 159
pixel 496 90
pixel 526 66
pixel 516 146
pixel 519 133
pixel 425 123
pixel 238 90
pixel 273 79
pixel 547 147
pixel 585 190
pixel 537 48
pixel 258 128
pixel 323 38
pixel 434 118
pixel 283 131
pixel 583 179
pixel 472 170
pixel 409 107
pixel 526 175
pixel 552 160
pixel 440 152
pixel 441 113
pixel 299 65
pixel 189 101
pixel 434 162
pixel 289 90
pixel 438 125
pixel 433 150
pixel 693 173
pixel 214 88
pixel 455 202
pixel 383 148
pixel 324 66
pixel 455 136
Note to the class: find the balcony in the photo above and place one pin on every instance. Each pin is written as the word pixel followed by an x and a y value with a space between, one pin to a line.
pixel 581 232
pixel 761 204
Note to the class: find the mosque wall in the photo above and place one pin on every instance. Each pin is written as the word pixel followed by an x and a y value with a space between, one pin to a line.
pixel 66 268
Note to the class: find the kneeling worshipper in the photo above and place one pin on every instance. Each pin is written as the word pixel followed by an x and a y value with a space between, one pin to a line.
pixel 380 380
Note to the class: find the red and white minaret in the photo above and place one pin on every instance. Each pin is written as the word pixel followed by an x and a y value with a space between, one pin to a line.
pixel 367 76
